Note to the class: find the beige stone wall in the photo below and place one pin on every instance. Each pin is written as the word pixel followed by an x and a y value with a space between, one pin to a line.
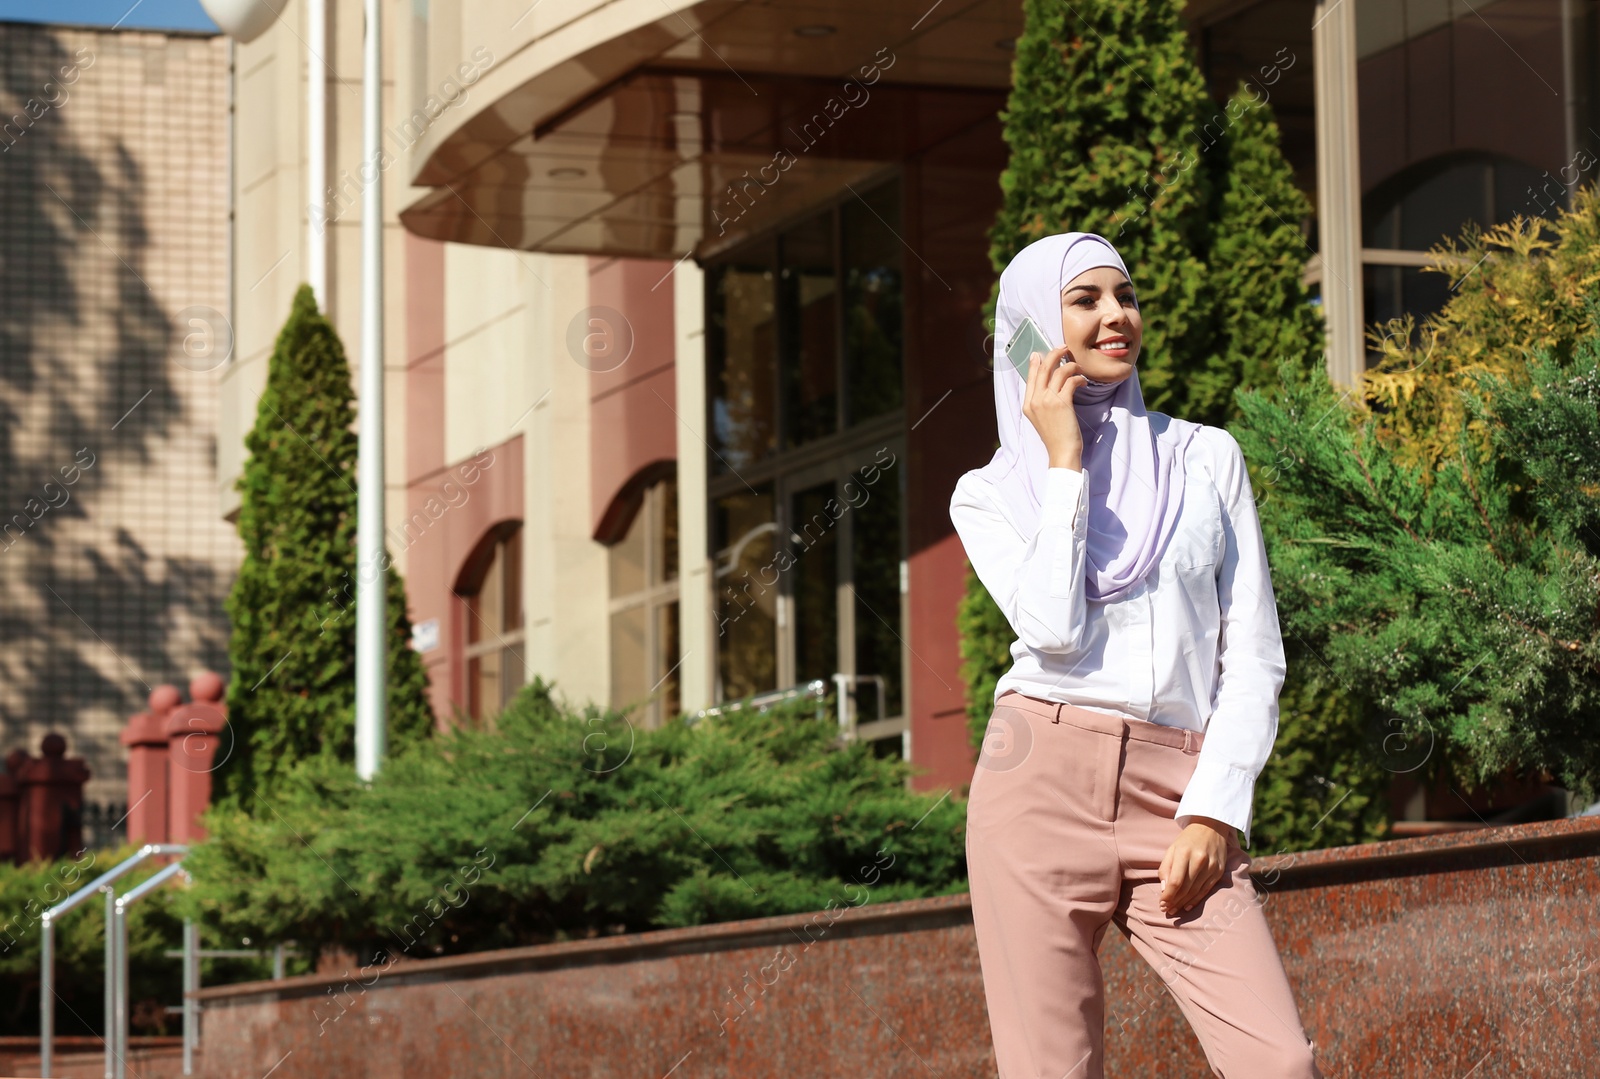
pixel 504 315
pixel 507 372
pixel 113 264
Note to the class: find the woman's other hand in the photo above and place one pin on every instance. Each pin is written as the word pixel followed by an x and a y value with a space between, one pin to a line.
pixel 1193 864
pixel 1047 402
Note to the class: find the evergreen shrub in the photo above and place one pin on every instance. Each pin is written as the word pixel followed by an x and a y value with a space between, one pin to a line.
pixel 292 609
pixel 558 825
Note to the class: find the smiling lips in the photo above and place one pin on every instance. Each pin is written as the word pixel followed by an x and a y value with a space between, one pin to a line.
pixel 1113 346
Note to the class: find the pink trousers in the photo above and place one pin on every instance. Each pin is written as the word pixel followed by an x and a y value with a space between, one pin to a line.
pixel 1070 814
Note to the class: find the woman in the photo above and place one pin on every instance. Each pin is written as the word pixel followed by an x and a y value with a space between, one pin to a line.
pixel 1142 702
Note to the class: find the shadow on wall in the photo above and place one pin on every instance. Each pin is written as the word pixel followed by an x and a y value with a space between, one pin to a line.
pixel 86 400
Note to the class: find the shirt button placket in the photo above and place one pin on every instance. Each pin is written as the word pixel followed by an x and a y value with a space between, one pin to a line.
pixel 1141 652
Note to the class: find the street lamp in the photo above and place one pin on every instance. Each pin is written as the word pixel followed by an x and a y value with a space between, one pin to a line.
pixel 242 20
pixel 245 20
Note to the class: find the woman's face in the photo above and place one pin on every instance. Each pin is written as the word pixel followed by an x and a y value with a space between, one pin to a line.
pixel 1100 323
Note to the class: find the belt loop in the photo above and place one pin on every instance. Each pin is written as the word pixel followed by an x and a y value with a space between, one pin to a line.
pixel 1055 717
pixel 1188 740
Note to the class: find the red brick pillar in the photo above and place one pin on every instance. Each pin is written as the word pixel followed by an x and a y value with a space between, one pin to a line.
pixel 11 807
pixel 52 791
pixel 148 782
pixel 194 733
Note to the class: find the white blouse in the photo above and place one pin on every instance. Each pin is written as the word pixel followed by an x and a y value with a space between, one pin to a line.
pixel 1195 645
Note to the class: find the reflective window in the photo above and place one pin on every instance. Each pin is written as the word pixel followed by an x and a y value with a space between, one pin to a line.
pixel 873 298
pixel 746 596
pixel 491 597
pixel 814 545
pixel 820 306
pixel 643 570
pixel 808 554
pixel 740 358
pixel 809 302
pixel 874 495
pixel 1462 120
pixel 1437 199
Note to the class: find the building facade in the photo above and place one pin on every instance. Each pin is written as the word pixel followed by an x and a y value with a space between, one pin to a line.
pixel 683 303
pixel 115 556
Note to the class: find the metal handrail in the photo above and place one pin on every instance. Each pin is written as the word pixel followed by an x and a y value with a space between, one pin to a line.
pixel 47 1012
pixel 817 687
pixel 847 718
pixel 119 932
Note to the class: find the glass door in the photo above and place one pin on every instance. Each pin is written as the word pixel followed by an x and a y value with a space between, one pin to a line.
pixel 840 613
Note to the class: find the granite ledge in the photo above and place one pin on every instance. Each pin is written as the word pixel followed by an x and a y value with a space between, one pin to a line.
pixel 1542 840
pixel 1569 837
pixel 749 932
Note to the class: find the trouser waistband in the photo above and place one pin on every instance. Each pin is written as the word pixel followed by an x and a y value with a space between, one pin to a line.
pixel 1141 730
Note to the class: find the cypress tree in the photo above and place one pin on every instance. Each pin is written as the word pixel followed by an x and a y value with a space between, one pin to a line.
pixel 1257 258
pixel 292 609
pixel 1264 318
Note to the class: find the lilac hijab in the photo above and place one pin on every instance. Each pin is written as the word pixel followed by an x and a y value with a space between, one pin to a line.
pixel 1134 459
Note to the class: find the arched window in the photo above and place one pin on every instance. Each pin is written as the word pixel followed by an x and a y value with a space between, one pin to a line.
pixel 490 591
pixel 644 609
pixel 1433 200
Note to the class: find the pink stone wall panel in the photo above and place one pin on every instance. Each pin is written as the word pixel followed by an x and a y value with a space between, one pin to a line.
pixel 427 580
pixel 1416 957
pixel 950 198
pixel 449 510
pixel 632 405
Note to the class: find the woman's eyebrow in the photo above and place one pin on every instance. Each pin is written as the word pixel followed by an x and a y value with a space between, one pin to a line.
pixel 1120 285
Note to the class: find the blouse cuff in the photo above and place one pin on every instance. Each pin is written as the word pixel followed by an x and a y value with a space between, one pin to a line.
pixel 1220 791
pixel 1063 497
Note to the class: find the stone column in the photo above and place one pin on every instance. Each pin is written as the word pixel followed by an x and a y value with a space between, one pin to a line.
pixel 11 807
pixel 194 732
pixel 146 739
pixel 52 791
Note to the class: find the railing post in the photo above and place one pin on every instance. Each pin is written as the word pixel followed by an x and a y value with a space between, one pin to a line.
pixel 191 983
pixel 119 984
pixel 47 1014
pixel 52 799
pixel 110 1037
pixel 133 895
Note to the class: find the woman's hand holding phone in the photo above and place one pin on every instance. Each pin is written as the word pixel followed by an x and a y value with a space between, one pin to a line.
pixel 1047 402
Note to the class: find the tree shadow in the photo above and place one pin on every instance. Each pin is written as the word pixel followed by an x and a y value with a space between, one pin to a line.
pixel 91 424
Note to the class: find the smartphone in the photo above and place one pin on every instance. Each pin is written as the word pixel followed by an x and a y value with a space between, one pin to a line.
pixel 1024 343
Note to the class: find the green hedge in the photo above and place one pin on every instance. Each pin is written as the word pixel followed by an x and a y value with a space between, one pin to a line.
pixel 556 825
